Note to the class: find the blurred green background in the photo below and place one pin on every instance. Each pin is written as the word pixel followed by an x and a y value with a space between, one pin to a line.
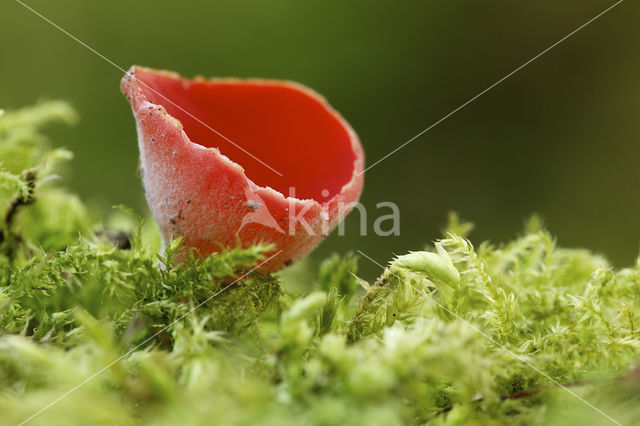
pixel 559 138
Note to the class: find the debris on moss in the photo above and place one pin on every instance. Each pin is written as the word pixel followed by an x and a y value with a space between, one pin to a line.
pixel 94 331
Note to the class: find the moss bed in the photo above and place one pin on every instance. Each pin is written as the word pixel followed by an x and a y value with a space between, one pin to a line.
pixel 98 326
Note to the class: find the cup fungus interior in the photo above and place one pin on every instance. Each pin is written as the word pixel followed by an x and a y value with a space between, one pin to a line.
pixel 283 125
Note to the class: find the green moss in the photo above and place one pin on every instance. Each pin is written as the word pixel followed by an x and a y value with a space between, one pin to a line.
pixel 460 335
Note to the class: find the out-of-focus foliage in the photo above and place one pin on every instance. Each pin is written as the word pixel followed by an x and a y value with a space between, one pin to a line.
pixel 27 170
pixel 112 332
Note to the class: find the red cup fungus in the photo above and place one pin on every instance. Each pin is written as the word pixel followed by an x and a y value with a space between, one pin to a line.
pixel 228 162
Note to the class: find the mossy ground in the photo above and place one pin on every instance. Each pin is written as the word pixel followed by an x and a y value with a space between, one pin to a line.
pixel 97 330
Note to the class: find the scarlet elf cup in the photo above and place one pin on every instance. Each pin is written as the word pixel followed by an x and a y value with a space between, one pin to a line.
pixel 228 162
